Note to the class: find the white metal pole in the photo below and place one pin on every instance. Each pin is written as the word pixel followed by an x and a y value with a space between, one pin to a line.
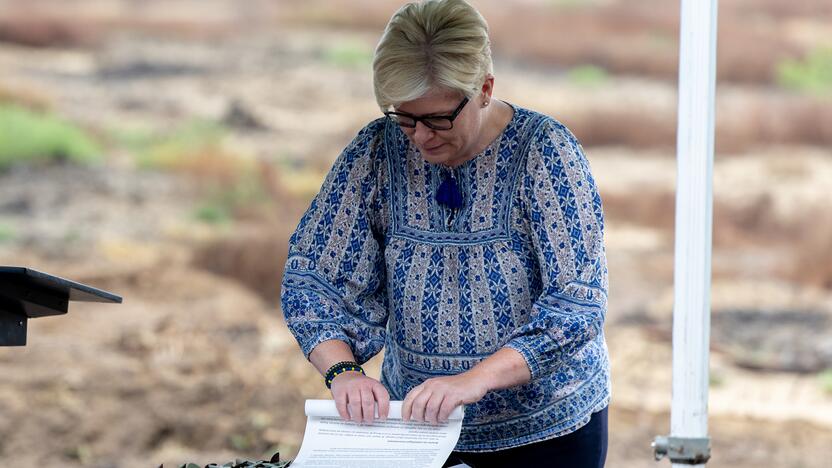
pixel 694 201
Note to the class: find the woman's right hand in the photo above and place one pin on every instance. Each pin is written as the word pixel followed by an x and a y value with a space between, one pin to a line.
pixel 356 396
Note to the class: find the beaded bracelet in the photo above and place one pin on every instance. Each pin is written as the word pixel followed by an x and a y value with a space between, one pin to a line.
pixel 338 369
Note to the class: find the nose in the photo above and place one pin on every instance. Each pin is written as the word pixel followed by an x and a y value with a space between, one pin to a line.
pixel 421 134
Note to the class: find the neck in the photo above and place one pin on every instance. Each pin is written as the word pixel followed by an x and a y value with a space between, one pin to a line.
pixel 495 118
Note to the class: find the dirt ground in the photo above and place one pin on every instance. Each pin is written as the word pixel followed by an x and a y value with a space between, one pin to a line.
pixel 197 364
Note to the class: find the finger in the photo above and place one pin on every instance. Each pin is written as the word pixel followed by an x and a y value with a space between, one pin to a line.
pixel 341 405
pixel 368 405
pixel 383 400
pixel 432 407
pixel 448 406
pixel 354 404
pixel 419 403
pixel 407 404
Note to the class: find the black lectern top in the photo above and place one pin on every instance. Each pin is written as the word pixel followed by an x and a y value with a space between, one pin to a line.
pixel 74 291
pixel 26 293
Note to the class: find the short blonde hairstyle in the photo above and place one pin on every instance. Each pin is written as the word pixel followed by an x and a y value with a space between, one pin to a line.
pixel 429 44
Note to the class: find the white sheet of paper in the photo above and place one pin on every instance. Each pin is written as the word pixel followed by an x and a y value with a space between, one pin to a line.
pixel 330 442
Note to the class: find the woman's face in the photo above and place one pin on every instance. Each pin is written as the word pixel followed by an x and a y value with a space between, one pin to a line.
pixel 447 147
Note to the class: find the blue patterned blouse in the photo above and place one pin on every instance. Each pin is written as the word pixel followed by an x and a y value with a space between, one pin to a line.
pixel 378 263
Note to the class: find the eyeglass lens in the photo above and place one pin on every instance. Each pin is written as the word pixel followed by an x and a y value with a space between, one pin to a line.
pixel 438 123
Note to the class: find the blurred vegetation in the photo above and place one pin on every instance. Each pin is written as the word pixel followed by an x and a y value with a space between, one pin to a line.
pixel 224 203
pixel 230 180
pixel 825 379
pixel 212 213
pixel 301 182
pixel 30 98
pixel 812 74
pixel 7 232
pixel 588 75
pixel 349 54
pixel 175 150
pixel 81 453
pixel 71 236
pixel 242 442
pixel 28 136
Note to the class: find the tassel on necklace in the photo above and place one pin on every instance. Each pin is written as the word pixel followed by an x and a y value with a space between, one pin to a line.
pixel 448 193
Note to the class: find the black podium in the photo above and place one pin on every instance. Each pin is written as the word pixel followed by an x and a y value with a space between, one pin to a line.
pixel 27 293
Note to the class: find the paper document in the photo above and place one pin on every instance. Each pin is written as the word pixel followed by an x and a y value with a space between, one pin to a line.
pixel 394 443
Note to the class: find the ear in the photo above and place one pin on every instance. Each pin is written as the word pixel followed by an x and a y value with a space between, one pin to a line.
pixel 487 90
pixel 488 85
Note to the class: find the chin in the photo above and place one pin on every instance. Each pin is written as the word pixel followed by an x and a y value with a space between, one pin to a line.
pixel 439 157
pixel 433 159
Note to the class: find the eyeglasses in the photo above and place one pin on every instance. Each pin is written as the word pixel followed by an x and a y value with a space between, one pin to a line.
pixel 436 122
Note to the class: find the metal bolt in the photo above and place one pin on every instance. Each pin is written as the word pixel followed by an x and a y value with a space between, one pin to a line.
pixel 661 447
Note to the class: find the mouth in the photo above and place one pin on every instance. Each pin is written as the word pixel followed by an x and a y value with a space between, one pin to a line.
pixel 433 149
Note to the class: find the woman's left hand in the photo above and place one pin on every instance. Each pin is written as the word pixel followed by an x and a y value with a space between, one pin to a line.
pixel 435 399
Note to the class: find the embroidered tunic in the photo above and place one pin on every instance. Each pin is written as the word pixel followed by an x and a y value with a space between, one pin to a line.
pixel 378 263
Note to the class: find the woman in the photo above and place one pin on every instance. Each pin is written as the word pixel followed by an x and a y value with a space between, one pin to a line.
pixel 464 235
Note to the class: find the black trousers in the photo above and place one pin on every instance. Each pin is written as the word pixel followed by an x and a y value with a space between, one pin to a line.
pixel 584 448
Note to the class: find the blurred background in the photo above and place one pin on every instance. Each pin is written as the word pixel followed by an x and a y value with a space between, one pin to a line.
pixel 165 150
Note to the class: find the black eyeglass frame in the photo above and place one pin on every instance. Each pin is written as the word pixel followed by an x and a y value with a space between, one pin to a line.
pixel 425 119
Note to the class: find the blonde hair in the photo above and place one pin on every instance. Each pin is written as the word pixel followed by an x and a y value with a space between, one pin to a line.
pixel 427 44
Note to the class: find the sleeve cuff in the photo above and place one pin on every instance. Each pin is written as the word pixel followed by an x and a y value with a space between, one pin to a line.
pixel 529 353
pixel 308 343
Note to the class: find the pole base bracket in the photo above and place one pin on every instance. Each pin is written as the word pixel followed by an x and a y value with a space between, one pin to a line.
pixel 682 450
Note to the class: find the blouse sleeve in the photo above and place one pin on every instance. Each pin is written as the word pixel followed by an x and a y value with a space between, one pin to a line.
pixel 334 279
pixel 566 223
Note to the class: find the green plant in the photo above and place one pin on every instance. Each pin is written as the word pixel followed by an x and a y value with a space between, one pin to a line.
pixel 349 54
pixel 230 182
pixel 7 233
pixel 132 139
pixel 241 442
pixel 225 201
pixel 27 136
pixel 71 235
pixel 587 75
pixel 211 213
pixel 242 464
pixel 174 149
pixel 825 379
pixel 81 452
pixel 812 74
